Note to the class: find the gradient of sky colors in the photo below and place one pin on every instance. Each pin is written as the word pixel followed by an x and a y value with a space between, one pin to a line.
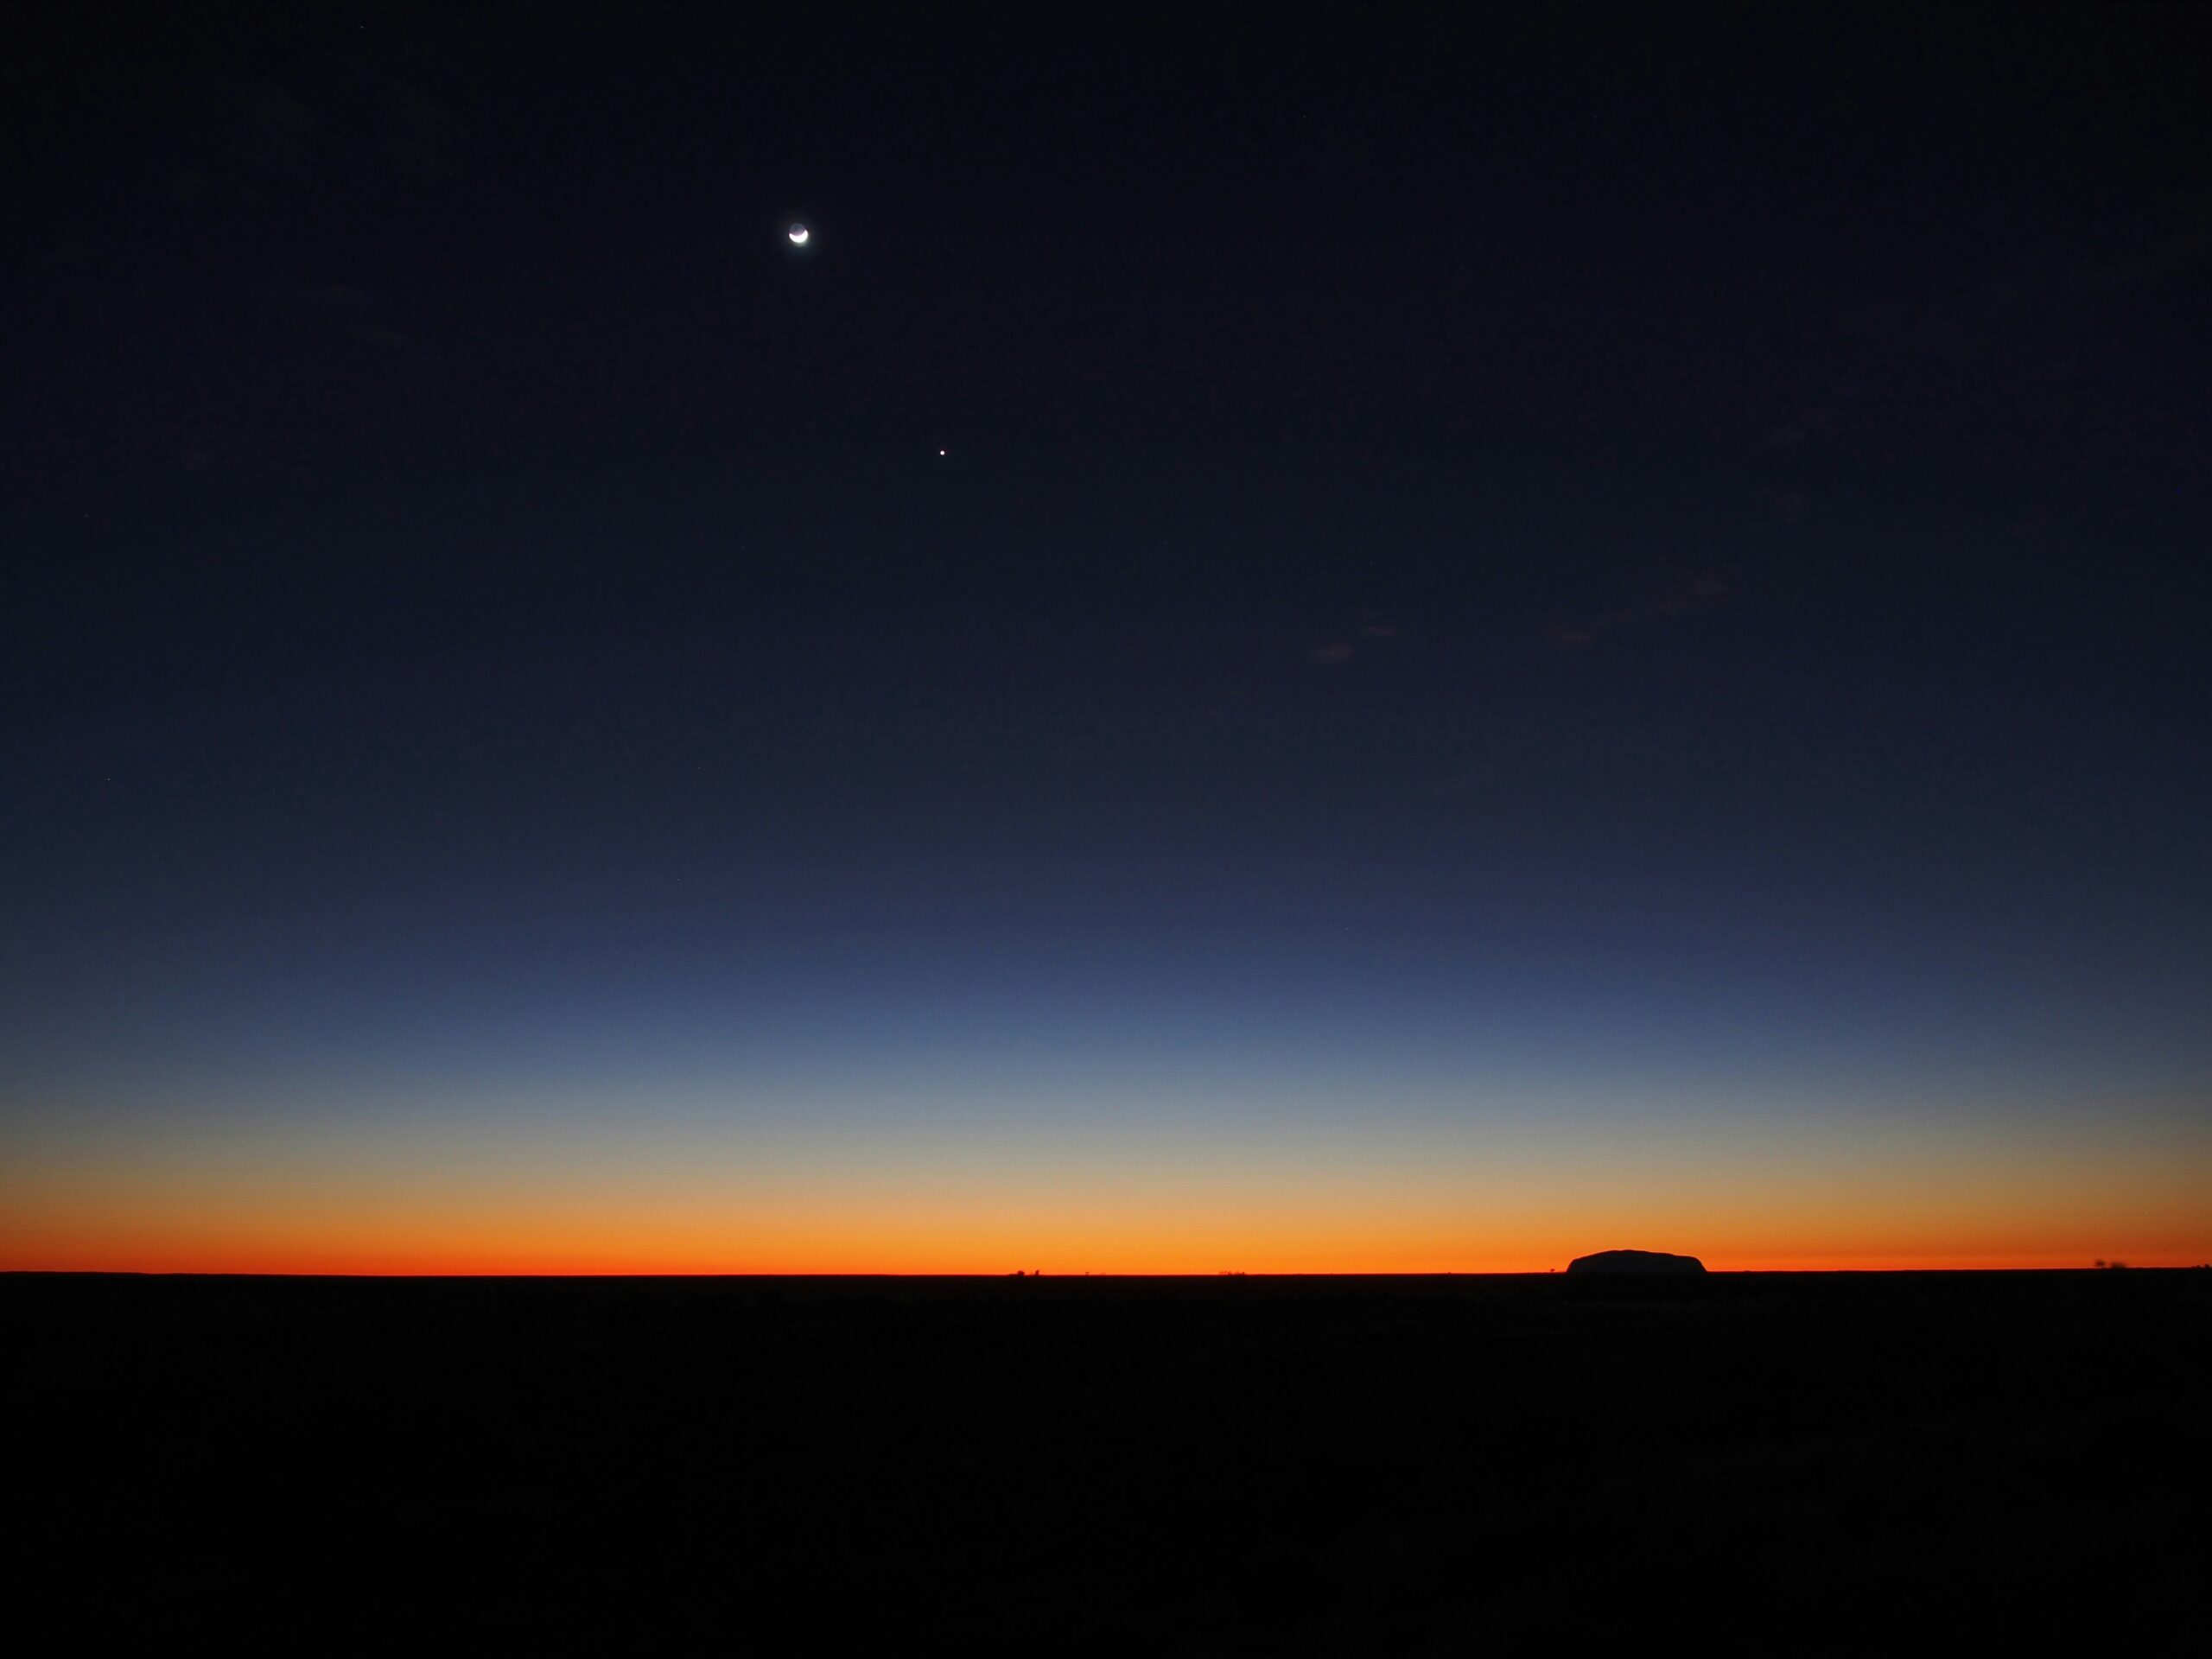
pixel 1532 635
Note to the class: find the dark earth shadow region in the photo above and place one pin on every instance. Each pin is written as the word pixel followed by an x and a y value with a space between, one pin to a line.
pixel 1751 1462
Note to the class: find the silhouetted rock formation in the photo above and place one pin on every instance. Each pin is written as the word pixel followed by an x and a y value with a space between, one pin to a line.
pixel 1635 1262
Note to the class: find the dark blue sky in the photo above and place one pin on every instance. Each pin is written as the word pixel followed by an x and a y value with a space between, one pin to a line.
pixel 1651 563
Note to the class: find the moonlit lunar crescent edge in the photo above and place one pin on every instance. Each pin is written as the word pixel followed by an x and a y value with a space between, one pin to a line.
pixel 799 234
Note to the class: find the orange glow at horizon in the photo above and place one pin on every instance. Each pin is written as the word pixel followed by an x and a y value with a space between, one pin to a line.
pixel 621 1203
pixel 246 1236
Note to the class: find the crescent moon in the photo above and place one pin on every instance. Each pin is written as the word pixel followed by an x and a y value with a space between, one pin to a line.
pixel 798 235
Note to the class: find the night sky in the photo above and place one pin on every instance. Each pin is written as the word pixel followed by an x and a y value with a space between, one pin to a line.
pixel 1299 639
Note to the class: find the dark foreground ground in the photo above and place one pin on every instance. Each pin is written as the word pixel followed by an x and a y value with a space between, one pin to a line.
pixel 1759 1462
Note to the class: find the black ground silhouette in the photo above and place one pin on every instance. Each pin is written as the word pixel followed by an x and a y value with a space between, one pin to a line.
pixel 1779 1462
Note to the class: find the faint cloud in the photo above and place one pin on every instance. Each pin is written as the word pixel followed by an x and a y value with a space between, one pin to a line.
pixel 343 299
pixel 187 185
pixel 1683 593
pixel 1811 425
pixel 1340 651
pixel 421 135
pixel 275 135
